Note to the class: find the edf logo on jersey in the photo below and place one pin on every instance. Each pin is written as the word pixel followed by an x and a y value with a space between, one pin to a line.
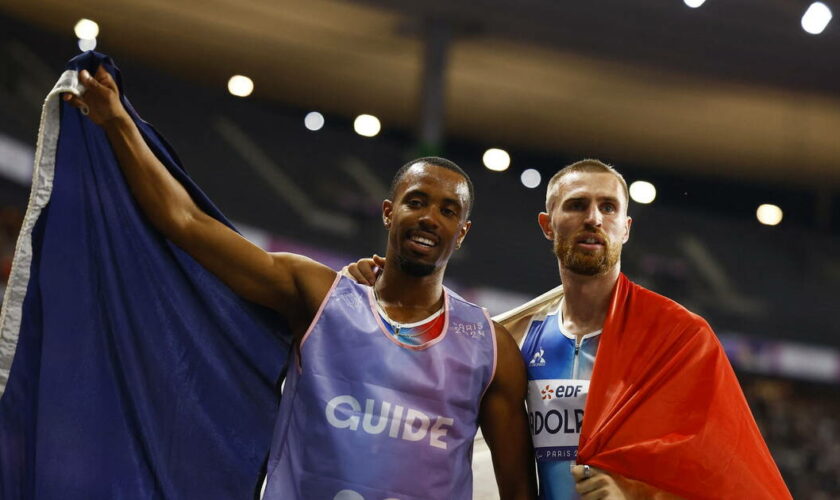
pixel 565 418
pixel 555 414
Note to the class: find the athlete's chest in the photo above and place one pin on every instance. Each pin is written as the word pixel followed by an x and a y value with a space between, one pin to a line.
pixel 559 368
pixel 549 353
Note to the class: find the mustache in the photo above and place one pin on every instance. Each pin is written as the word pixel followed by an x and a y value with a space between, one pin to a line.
pixel 594 231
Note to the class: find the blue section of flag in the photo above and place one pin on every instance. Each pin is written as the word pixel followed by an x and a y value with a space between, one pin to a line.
pixel 137 373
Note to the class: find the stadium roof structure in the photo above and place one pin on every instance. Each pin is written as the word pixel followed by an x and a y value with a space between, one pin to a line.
pixel 734 89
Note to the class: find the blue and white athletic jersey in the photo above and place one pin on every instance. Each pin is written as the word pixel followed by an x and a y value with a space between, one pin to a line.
pixel 559 370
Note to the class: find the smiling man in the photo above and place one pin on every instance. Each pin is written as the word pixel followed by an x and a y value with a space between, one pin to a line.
pixel 388 384
pixel 630 395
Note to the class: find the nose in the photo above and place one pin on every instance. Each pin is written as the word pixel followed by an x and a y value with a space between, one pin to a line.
pixel 428 219
pixel 594 217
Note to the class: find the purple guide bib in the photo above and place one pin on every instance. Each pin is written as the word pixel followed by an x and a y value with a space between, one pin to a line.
pixel 364 416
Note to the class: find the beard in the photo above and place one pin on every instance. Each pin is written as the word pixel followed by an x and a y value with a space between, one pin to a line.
pixel 584 262
pixel 414 268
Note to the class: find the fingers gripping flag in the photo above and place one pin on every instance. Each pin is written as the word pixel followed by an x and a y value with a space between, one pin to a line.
pixel 126 369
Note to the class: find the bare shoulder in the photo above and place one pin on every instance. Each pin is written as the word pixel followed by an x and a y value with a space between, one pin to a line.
pixel 509 360
pixel 311 279
pixel 504 339
pixel 300 262
pixel 309 274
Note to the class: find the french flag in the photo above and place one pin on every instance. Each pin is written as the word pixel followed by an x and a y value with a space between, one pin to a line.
pixel 127 371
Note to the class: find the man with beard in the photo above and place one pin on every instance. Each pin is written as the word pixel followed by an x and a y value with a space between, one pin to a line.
pixel 587 222
pixel 388 384
pixel 662 403
pixel 586 219
pixel 650 412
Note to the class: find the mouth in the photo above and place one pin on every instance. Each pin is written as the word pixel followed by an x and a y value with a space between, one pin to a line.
pixel 421 241
pixel 590 242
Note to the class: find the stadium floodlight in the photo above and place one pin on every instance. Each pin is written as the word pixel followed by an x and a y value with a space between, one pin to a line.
pixel 367 125
pixel 86 44
pixel 642 192
pixel 816 18
pixel 530 178
pixel 497 160
pixel 86 29
pixel 769 215
pixel 240 86
pixel 694 3
pixel 313 121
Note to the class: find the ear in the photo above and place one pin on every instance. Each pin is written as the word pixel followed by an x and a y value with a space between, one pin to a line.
pixel 462 233
pixel 544 220
pixel 387 210
pixel 627 230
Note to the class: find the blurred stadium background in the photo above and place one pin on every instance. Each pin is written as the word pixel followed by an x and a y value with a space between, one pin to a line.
pixel 721 106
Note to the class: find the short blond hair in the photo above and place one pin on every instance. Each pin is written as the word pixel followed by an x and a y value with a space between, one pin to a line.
pixel 589 165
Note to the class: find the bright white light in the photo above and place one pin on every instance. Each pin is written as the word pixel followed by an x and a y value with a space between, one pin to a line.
pixel 86 29
pixel 314 121
pixel 496 160
pixel 367 125
pixel 816 18
pixel 769 214
pixel 694 3
pixel 86 44
pixel 530 178
pixel 240 86
pixel 642 192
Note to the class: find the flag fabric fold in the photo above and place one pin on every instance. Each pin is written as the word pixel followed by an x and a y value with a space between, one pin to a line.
pixel 129 370
pixel 666 408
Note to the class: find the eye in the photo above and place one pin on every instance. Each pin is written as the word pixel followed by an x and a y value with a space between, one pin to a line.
pixel 414 202
pixel 608 208
pixel 448 212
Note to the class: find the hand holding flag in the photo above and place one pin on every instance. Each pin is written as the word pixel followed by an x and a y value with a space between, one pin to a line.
pixel 594 483
pixel 101 99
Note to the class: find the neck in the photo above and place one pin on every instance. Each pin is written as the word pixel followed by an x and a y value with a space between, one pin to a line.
pixel 586 299
pixel 407 298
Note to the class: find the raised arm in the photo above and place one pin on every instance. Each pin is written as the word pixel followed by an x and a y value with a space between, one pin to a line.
pixel 292 284
pixel 504 423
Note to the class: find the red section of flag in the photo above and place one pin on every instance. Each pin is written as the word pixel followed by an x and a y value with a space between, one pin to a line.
pixel 665 407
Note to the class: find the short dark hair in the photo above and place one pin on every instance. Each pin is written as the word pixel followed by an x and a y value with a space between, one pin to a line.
pixel 438 162
pixel 589 165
